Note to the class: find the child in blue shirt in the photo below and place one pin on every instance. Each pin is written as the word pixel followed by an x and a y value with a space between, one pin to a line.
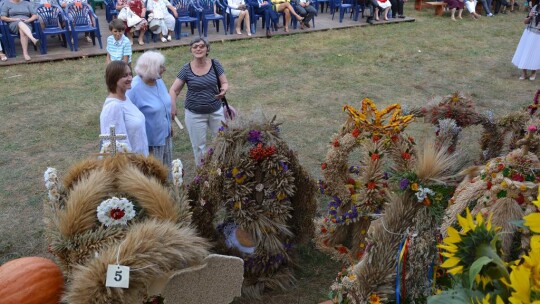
pixel 118 45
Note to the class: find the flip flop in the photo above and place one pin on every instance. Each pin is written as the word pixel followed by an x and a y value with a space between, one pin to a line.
pixel 3 57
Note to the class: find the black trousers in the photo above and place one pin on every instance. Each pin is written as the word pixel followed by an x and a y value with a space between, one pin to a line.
pixel 397 7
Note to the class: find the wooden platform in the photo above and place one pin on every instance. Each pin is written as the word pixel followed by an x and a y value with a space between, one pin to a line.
pixel 56 52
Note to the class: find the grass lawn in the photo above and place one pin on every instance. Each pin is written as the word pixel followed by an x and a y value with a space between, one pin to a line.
pixel 50 112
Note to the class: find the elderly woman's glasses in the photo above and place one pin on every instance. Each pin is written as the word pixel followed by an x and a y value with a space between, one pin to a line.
pixel 198 46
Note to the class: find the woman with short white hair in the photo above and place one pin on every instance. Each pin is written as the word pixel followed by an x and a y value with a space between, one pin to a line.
pixel 149 93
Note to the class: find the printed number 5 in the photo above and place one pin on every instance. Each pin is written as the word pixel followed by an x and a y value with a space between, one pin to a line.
pixel 118 276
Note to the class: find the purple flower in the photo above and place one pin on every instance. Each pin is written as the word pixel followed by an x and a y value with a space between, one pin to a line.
pixel 354 169
pixel 404 184
pixel 228 173
pixel 284 166
pixel 210 151
pixel 386 175
pixel 254 136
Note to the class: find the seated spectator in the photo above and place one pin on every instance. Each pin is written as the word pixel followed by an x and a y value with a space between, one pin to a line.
pixel 501 3
pixel 486 4
pixel 453 5
pixel 3 56
pixel 285 7
pixel 397 8
pixel 19 15
pixel 385 6
pixel 118 45
pixel 162 22
pixel 65 3
pixel 471 7
pixel 306 10
pixel 239 8
pixel 265 8
pixel 138 8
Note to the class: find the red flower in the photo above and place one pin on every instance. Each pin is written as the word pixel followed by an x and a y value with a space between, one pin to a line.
pixel 489 185
pixel 371 185
pixel 325 242
pixel 259 152
pixel 518 177
pixel 342 249
pixel 117 213
pixel 520 199
pixel 411 139
pixel 336 143
pixel 359 254
pixel 375 156
pixel 323 230
pixel 394 138
pixel 500 167
pixel 355 132
pixel 350 181
pixel 323 166
pixel 427 202
pixel 376 138
pixel 406 156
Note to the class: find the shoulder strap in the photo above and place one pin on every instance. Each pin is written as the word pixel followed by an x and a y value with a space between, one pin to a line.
pixel 223 100
pixel 217 76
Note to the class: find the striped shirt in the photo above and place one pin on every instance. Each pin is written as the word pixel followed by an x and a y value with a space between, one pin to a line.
pixel 201 92
pixel 117 49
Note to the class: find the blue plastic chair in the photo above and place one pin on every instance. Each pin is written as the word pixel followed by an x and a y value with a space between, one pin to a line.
pixel 80 22
pixel 53 17
pixel 230 17
pixel 206 11
pixel 341 6
pixel 110 10
pixel 186 14
pixel 321 3
pixel 3 39
pixel 9 37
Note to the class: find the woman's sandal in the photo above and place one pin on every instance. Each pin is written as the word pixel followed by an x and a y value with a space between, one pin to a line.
pixel 3 57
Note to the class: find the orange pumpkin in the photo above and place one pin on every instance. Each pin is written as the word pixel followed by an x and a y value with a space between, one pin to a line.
pixel 31 280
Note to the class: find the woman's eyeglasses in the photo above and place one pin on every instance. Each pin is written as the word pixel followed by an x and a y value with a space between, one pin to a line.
pixel 198 46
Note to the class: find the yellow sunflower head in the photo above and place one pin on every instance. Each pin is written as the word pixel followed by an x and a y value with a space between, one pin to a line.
pixel 477 238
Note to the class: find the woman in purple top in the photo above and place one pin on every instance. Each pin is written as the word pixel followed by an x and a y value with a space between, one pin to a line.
pixel 19 15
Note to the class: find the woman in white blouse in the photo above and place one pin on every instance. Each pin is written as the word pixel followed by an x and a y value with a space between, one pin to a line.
pixel 239 8
pixel 120 112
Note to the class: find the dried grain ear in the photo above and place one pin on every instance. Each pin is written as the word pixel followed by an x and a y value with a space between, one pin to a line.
pixel 79 214
pixel 79 171
pixel 150 166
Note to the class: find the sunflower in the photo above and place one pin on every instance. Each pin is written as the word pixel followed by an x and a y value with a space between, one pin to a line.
pixel 487 300
pixel 476 239
pixel 525 277
pixel 533 220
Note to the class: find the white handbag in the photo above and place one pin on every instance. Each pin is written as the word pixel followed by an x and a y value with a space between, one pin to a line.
pixel 132 18
pixel 122 15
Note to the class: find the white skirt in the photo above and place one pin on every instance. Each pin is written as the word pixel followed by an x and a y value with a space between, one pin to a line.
pixel 527 55
pixel 384 5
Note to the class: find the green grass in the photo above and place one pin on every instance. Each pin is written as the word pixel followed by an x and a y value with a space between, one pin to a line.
pixel 50 112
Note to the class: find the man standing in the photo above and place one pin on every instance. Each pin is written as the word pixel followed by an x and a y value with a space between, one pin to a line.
pixel 263 7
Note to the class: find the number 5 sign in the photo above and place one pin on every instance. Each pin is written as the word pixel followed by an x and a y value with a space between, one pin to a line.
pixel 117 276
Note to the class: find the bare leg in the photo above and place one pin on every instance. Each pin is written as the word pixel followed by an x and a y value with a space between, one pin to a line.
pixel 533 75
pixel 376 14
pixel 287 14
pixel 453 14
pixel 247 23
pixel 141 36
pixel 130 36
pixel 288 6
pixel 239 22
pixel 523 74
pixel 26 34
pixel 385 13
pixel 460 11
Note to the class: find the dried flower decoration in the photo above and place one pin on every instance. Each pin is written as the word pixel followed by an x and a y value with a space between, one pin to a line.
pixel 115 211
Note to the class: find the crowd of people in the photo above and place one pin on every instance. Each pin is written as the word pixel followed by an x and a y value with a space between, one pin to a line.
pixel 143 108
pixel 490 7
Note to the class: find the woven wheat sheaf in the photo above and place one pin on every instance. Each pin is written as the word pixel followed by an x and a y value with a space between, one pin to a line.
pixel 155 243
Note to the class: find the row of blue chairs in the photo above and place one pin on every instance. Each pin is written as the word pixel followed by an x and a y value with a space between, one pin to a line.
pixel 76 18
